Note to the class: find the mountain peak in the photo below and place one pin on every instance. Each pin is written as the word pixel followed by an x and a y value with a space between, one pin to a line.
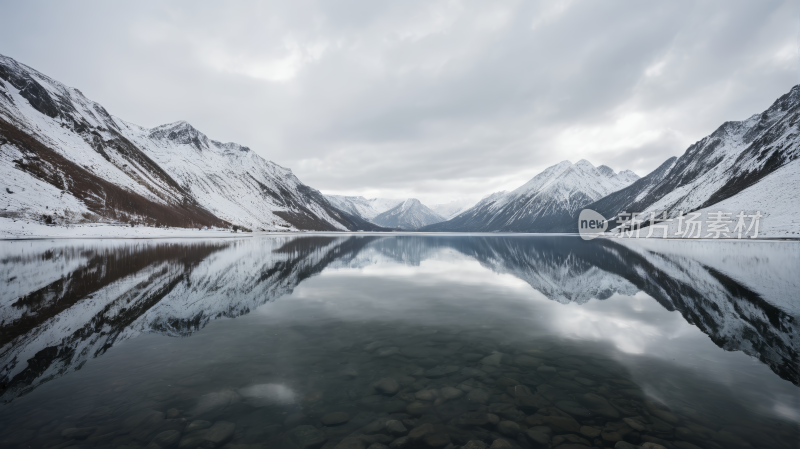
pixel 410 214
pixel 411 202
pixel 628 175
pixel 180 125
pixel 606 171
pixel 180 132
pixel 583 163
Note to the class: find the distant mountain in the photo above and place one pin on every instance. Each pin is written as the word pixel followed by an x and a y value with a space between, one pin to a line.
pixel 738 157
pixel 411 214
pixel 558 191
pixel 65 159
pixel 453 208
pixel 362 207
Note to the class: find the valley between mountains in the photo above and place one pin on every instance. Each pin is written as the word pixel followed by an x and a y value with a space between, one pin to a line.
pixel 65 161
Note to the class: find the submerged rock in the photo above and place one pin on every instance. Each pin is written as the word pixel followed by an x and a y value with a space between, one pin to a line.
pixel 441 371
pixel 624 445
pixel 214 402
pixel 417 408
pixel 493 360
pixel 569 438
pixel 167 439
pixel 197 425
pixel 426 395
pixel 335 418
pixel 451 393
pixel 215 436
pixel 387 352
pixel 139 418
pixel 475 444
pixel 294 420
pixel 635 424
pixel 386 386
pixel 395 427
pixel 307 437
pixel 573 408
pixel 537 439
pixel 508 428
pixel 78 433
pixel 478 396
pixel 598 405
pixel 400 443
pixel 421 432
pixel 501 444
pixel 590 432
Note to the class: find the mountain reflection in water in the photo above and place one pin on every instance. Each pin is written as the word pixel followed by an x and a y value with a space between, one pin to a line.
pixel 65 303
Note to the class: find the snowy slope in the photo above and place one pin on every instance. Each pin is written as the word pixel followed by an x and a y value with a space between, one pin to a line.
pixel 735 157
pixel 410 214
pixel 776 197
pixel 234 183
pixel 362 207
pixel 65 157
pixel 452 208
pixel 558 191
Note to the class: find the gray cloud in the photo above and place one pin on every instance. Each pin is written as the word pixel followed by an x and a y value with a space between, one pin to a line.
pixel 426 99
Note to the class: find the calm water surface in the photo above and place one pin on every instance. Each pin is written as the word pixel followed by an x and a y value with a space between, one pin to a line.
pixel 360 341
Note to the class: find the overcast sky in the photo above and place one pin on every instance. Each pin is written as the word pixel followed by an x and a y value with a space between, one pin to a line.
pixel 433 100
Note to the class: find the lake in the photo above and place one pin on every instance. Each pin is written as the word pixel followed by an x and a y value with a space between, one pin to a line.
pixel 400 341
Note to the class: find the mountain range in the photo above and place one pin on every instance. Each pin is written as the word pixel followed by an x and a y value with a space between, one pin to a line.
pixel 65 159
pixel 750 165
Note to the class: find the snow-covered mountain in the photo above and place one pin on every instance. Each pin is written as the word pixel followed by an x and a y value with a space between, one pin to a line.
pixel 452 208
pixel 362 207
pixel 747 165
pixel 65 159
pixel 535 206
pixel 410 214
